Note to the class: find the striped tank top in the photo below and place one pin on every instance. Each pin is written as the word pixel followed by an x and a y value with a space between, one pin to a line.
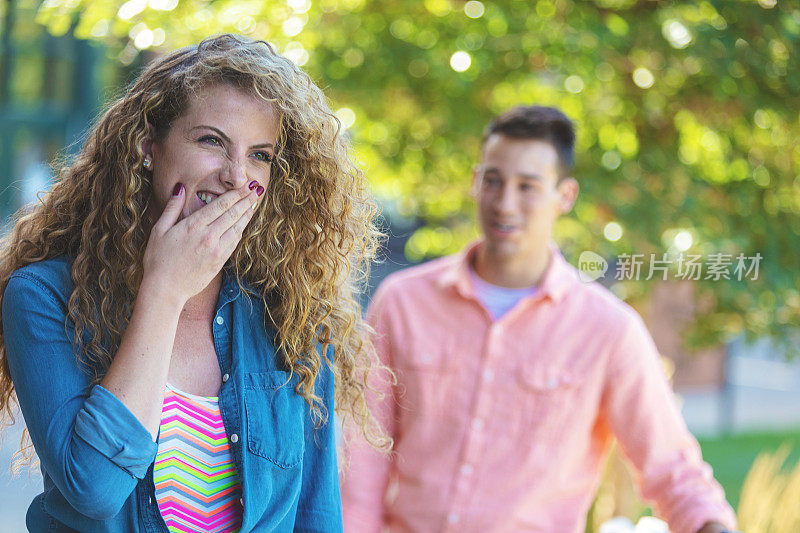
pixel 197 487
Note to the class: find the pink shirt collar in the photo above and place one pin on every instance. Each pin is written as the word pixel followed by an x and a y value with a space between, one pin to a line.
pixel 557 280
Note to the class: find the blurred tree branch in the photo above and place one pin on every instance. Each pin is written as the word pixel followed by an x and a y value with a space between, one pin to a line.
pixel 687 115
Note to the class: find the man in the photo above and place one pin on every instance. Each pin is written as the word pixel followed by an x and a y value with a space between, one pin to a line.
pixel 513 375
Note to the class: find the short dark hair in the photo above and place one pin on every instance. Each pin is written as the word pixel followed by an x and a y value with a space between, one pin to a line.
pixel 538 122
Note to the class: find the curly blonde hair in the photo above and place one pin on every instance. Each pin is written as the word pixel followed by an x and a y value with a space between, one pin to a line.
pixel 306 251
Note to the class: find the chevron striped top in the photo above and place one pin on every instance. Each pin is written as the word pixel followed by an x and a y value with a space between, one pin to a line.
pixel 197 487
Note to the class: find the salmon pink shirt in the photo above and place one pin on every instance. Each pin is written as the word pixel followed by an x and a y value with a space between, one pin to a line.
pixel 504 425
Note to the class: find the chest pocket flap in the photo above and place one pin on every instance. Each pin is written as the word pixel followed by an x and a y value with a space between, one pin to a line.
pixel 547 378
pixel 426 355
pixel 275 417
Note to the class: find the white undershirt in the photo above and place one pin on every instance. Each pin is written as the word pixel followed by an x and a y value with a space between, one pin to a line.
pixel 497 300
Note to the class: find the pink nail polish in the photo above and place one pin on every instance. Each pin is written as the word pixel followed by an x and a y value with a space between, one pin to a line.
pixel 260 190
pixel 178 189
pixel 253 184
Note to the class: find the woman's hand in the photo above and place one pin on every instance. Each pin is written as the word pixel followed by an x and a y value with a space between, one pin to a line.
pixel 184 257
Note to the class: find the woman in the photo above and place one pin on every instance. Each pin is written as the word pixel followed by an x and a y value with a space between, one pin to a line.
pixel 177 310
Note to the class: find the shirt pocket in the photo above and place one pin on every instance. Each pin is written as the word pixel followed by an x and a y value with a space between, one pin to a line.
pixel 548 398
pixel 275 417
pixel 427 357
pixel 425 375
pixel 547 379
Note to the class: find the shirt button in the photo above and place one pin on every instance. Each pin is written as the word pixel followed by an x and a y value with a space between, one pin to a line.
pixel 477 424
pixel 225 377
pixel 150 500
pixel 466 470
pixel 220 320
pixel 452 518
pixel 488 375
pixel 552 383
pixel 234 438
pixel 426 358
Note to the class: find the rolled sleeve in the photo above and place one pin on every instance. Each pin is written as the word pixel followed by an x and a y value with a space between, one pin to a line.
pixel 355 522
pixel 89 444
pixel 641 410
pixel 111 429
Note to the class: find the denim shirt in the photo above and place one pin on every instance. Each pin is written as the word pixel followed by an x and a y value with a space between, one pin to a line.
pixel 97 458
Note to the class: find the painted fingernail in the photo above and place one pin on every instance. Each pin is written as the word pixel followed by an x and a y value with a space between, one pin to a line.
pixel 253 185
pixel 178 189
pixel 260 190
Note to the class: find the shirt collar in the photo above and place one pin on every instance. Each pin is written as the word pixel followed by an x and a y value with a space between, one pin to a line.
pixel 230 290
pixel 557 280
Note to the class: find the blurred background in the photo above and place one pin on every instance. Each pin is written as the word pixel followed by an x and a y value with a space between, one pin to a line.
pixel 687 121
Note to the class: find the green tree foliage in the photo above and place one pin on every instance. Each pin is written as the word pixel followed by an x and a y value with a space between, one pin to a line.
pixel 687 115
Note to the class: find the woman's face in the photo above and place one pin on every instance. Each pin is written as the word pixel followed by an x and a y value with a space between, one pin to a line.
pixel 225 140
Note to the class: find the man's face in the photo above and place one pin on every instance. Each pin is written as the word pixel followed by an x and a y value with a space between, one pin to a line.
pixel 519 196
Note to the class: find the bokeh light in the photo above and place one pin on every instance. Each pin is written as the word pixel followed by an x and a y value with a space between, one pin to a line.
pixel 144 39
pixel 573 84
pixel 643 78
pixel 346 116
pixel 299 6
pixel 683 240
pixel 295 52
pixel 130 9
pixel 460 61
pixel 100 28
pixel 612 231
pixel 676 34
pixel 292 26
pixel 611 160
pixel 163 5
pixel 473 9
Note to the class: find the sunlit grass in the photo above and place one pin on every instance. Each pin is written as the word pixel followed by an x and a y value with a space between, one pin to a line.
pixel 732 456
pixel 769 458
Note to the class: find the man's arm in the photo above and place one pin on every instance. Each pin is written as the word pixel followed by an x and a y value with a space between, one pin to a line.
pixel 640 408
pixel 366 470
pixel 713 527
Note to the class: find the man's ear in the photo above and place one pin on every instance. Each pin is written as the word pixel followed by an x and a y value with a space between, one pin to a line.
pixel 568 192
pixel 476 180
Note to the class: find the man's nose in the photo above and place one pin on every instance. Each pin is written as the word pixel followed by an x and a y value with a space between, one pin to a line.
pixel 507 200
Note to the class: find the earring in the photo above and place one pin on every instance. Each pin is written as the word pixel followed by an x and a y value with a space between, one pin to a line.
pixel 147 164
